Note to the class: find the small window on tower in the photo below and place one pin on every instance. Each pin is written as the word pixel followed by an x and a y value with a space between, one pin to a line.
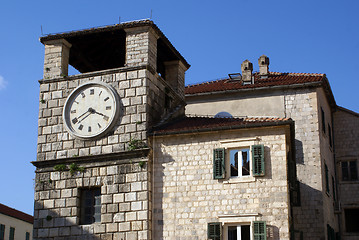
pixel 90 206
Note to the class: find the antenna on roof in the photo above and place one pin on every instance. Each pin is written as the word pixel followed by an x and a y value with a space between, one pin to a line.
pixel 42 34
pixel 119 19
pixel 151 15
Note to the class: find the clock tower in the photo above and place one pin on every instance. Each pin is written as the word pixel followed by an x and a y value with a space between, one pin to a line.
pixel 94 160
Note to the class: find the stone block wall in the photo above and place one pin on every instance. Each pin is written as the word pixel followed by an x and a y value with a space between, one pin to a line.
pixel 346 141
pixel 56 58
pixel 125 204
pixel 54 142
pixel 186 197
pixel 302 106
pixel 327 158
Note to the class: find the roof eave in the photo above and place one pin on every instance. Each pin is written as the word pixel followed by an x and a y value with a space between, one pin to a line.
pixel 221 128
pixel 300 85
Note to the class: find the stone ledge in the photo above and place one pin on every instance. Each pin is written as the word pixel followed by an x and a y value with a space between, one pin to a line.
pixel 94 160
pixel 98 73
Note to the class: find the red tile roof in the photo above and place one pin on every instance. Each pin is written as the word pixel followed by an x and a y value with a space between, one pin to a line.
pixel 16 214
pixel 204 124
pixel 273 79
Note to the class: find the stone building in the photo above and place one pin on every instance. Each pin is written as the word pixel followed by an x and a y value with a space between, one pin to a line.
pixel 267 155
pixel 15 224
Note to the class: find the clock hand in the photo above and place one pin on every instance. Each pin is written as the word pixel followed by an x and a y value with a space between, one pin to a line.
pixel 83 114
pixel 99 113
pixel 85 117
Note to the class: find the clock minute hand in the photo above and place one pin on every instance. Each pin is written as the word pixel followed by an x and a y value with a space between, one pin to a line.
pixel 85 117
pixel 83 114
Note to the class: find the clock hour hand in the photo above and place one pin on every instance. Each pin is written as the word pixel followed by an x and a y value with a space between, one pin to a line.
pixel 101 114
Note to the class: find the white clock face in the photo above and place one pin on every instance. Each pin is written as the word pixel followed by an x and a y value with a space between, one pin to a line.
pixel 91 110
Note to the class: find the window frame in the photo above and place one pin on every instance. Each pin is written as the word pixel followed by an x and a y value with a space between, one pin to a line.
pixel 95 196
pixel 323 119
pixel 229 158
pixel 345 219
pixel 327 187
pixel 349 172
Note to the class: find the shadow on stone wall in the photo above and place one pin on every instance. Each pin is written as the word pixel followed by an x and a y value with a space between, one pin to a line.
pixel 158 196
pixel 308 217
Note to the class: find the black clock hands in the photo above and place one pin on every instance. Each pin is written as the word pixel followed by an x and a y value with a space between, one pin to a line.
pixel 89 112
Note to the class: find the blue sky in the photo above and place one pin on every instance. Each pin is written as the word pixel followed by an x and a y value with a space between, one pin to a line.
pixel 214 36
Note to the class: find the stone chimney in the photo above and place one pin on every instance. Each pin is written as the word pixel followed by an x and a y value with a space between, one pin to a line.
pixel 247 68
pixel 263 62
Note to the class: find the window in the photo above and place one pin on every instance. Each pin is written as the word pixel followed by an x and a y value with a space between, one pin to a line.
pixel 330 136
pixel 27 236
pixel 351 220
pixel 330 233
pixel 12 233
pixel 2 232
pixel 326 178
pixel 90 206
pixel 323 120
pixel 239 162
pixel 239 232
pixel 349 171
pixel 242 231
pixel 334 189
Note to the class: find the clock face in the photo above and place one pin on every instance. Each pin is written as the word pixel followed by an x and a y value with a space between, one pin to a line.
pixel 91 110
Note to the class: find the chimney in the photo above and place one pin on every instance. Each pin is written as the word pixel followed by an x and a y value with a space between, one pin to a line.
pixel 247 68
pixel 263 62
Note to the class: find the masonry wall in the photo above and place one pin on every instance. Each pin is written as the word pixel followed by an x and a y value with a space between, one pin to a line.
pixel 54 142
pixel 239 105
pixel 302 106
pixel 346 140
pixel 124 201
pixel 186 197
pixel 327 158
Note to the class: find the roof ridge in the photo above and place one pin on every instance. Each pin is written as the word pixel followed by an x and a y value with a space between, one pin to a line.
pixel 297 73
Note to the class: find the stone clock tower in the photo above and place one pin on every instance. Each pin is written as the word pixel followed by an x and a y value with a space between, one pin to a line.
pixel 93 167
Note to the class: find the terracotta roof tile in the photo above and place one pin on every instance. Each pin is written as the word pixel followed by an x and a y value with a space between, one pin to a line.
pixel 200 124
pixel 273 79
pixel 16 214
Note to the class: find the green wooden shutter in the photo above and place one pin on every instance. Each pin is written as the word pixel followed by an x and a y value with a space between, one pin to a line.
pixel 259 230
pixel 218 163
pixel 258 160
pixel 214 231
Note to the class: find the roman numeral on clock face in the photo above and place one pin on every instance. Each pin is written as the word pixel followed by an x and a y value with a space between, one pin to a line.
pixel 81 127
pixel 106 99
